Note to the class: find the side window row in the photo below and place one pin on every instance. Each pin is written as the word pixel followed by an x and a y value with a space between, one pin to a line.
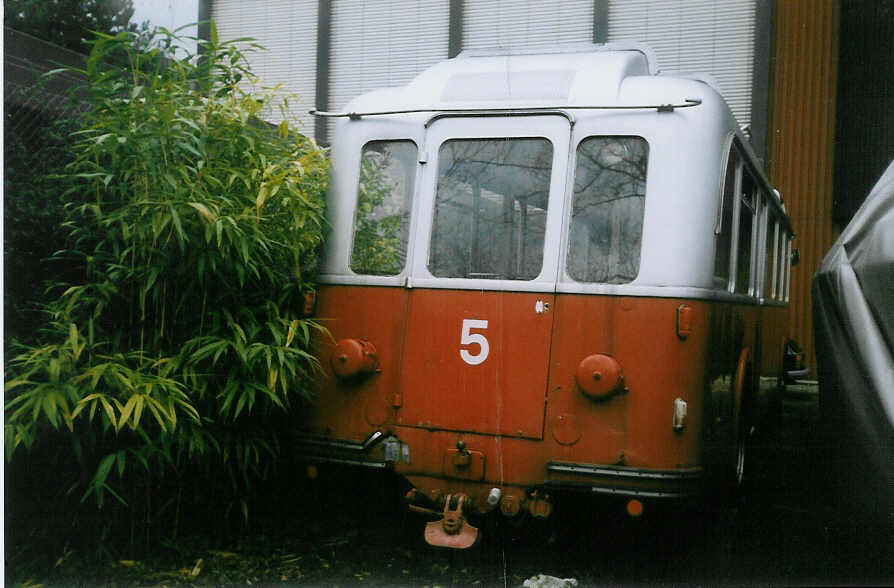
pixel 752 245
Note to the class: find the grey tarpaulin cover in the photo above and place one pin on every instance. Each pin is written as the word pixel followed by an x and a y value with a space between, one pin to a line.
pixel 853 309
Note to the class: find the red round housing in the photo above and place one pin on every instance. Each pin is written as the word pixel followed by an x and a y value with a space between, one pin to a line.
pixel 599 376
pixel 353 357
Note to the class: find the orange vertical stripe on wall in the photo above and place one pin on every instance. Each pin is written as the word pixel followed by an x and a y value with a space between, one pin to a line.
pixel 802 138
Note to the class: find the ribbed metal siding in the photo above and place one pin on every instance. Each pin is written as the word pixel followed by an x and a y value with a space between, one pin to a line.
pixel 385 43
pixel 802 138
pixel 526 23
pixel 706 36
pixel 289 32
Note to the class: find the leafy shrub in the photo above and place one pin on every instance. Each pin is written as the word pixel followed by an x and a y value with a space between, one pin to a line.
pixel 34 146
pixel 193 229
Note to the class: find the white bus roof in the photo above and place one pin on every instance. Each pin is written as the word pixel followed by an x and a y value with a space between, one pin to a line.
pixel 576 76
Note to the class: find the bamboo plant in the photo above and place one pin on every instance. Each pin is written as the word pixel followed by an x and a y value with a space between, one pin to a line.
pixel 193 230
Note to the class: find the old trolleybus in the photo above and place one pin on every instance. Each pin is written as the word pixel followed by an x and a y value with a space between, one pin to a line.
pixel 546 271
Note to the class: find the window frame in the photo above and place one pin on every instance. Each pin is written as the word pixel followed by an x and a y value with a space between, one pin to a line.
pixel 515 242
pixel 555 129
pixel 773 268
pixel 729 190
pixel 411 197
pixel 569 220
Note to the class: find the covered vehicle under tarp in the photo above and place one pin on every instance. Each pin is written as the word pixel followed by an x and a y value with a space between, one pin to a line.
pixel 853 308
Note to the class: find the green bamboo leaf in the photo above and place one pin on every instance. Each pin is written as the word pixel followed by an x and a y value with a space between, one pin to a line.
pixel 284 385
pixel 172 414
pixel 227 395
pixel 110 412
pixel 137 412
pixel 12 384
pixel 261 198
pixel 73 337
pixel 129 407
pixel 156 409
pixel 117 496
pixel 236 40
pixel 188 408
pixel 240 404
pixel 79 407
pixel 181 236
pixel 51 410
pixel 186 146
pixel 203 211
pixel 140 458
pixel 291 334
pixel 102 471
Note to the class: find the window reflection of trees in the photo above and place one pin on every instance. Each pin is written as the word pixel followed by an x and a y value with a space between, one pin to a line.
pixel 384 195
pixel 746 222
pixel 490 208
pixel 607 215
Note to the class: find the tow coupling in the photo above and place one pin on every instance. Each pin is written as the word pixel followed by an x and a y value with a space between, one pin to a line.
pixel 453 530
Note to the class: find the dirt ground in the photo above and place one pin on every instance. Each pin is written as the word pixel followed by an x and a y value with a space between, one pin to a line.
pixel 351 529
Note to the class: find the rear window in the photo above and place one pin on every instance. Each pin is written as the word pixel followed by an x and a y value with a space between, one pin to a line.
pixel 606 231
pixel 490 208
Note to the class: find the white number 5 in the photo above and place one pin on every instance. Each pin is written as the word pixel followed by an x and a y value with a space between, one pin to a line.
pixel 468 338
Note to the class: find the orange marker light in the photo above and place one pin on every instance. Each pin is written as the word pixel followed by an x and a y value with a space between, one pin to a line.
pixel 684 321
pixel 635 508
pixel 310 303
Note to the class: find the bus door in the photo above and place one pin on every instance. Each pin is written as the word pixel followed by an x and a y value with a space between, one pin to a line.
pixel 480 307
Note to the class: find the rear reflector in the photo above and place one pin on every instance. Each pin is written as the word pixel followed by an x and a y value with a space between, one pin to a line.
pixel 684 321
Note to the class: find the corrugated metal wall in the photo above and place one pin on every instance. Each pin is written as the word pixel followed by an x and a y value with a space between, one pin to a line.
pixel 526 23
pixel 704 36
pixel 802 138
pixel 382 44
pixel 288 30
pixel 376 43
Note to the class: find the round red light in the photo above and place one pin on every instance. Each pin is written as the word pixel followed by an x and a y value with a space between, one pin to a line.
pixel 599 375
pixel 352 357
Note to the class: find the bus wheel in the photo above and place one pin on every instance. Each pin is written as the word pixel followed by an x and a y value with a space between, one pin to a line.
pixel 743 398
pixel 741 454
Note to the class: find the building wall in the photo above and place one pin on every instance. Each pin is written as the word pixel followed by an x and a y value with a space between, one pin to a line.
pixel 329 51
pixel 801 140
pixel 711 36
pixel 287 31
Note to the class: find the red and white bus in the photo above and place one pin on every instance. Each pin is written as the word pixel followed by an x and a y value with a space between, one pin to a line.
pixel 547 271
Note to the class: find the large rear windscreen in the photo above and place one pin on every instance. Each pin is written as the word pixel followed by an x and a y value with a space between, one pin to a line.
pixel 490 208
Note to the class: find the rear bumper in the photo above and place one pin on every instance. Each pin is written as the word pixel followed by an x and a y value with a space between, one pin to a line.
pixel 381 451
pixel 625 481
pixel 321 450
